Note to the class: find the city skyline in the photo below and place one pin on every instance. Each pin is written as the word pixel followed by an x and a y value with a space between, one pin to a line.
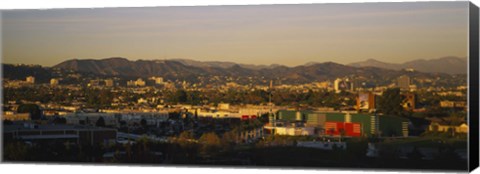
pixel 290 35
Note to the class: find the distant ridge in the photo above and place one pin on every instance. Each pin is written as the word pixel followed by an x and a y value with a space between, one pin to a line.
pixel 191 70
pixel 449 65
pixel 221 64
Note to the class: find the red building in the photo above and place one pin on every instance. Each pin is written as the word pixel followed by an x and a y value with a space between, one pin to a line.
pixel 336 128
pixel 246 117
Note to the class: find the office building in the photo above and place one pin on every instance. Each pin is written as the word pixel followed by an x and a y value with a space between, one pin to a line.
pixel 403 82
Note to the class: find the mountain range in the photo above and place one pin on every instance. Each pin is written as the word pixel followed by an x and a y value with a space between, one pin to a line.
pixel 125 67
pixel 190 70
pixel 449 65
pixel 221 64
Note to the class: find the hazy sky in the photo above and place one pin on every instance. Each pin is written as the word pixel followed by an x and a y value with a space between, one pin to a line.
pixel 266 34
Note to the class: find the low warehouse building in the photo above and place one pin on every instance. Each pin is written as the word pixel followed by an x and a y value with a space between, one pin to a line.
pixel 69 133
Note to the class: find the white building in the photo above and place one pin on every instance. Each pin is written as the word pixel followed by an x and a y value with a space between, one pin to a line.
pixel 336 85
pixel 295 131
pixel 256 110
pixel 218 114
pixel 342 85
pixel 250 135
pixel 90 118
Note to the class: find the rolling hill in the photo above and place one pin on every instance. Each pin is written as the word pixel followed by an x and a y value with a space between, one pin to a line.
pixel 174 69
pixel 449 65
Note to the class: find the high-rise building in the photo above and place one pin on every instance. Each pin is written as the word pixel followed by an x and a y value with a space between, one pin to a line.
pixel 340 85
pixel 53 82
pixel 408 102
pixel 30 79
pixel 271 115
pixel 356 85
pixel 365 101
pixel 403 82
pixel 336 85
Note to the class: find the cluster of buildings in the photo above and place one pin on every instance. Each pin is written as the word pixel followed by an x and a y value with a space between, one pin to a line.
pixel 442 126
pixel 109 82
pixel 453 104
pixel 356 84
pixel 80 126
pixel 314 123
pixel 367 101
pixel 114 119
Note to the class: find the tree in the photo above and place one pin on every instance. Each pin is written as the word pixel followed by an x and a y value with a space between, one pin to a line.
pixel 229 139
pixel 33 109
pixel 454 120
pixel 142 151
pixel 342 134
pixel 180 96
pixel 390 102
pixel 189 147
pixel 185 137
pixel 143 122
pixel 15 151
pixel 210 139
pixel 209 142
pixel 100 122
pixel 60 120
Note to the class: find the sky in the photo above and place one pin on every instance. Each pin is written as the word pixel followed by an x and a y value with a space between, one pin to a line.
pixel 262 34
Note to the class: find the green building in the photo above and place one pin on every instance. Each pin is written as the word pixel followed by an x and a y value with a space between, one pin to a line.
pixel 370 124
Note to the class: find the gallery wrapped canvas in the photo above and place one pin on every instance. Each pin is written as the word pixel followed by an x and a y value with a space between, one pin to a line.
pixel 388 86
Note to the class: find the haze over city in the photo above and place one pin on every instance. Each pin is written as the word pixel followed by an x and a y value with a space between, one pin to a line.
pixel 267 34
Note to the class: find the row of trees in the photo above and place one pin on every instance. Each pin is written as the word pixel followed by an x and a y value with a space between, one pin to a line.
pixel 390 103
